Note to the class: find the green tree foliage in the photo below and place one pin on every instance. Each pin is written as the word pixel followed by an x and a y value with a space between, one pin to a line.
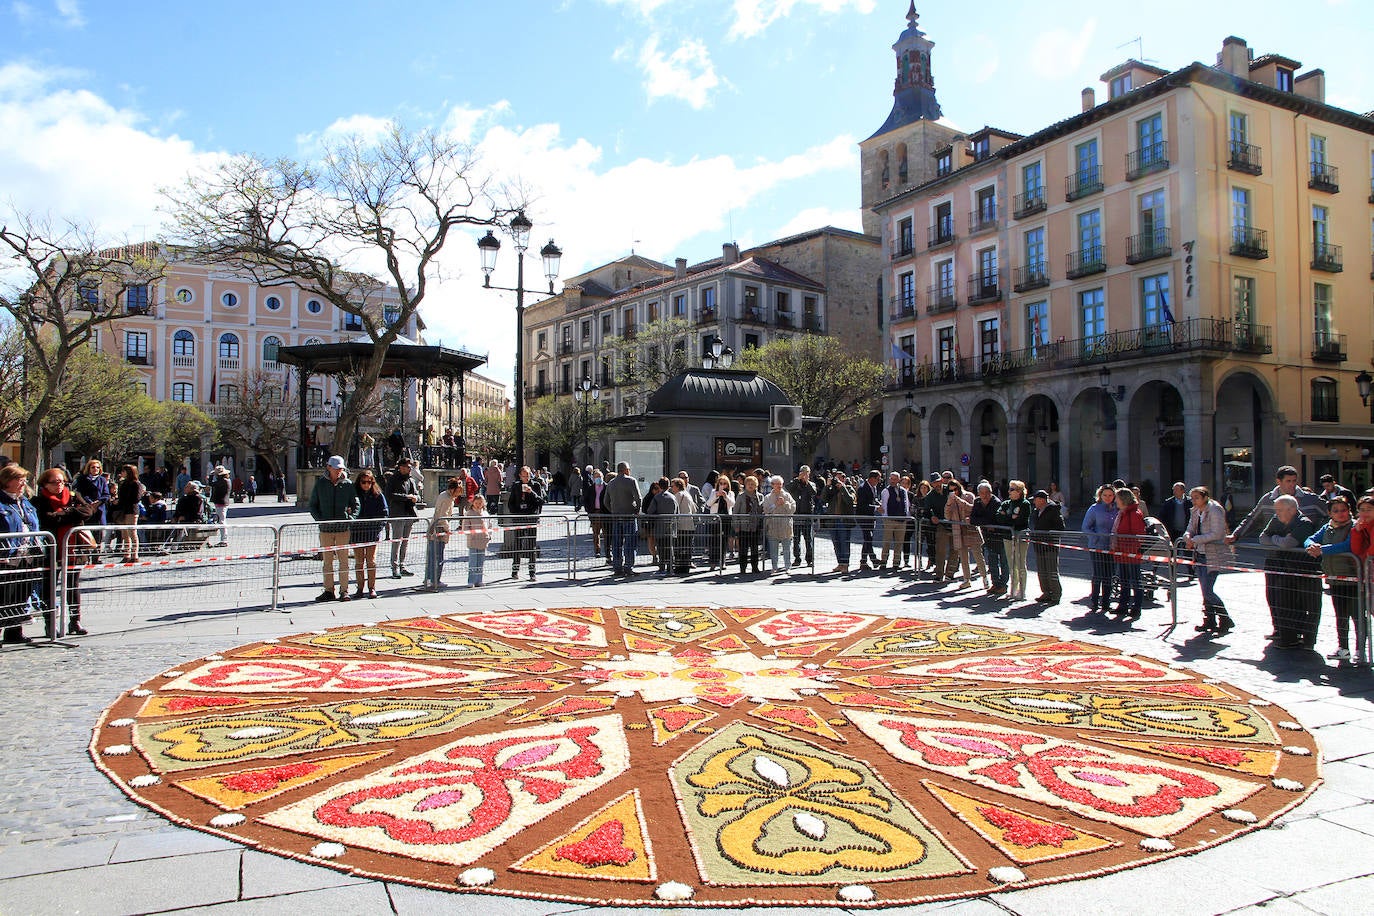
pixel 832 384
pixel 554 424
pixel 184 426
pixel 491 435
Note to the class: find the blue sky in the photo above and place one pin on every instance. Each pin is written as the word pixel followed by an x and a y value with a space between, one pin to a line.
pixel 666 127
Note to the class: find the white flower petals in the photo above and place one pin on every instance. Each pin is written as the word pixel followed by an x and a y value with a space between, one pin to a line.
pixel 146 780
pixel 1296 750
pixel 119 723
pixel 856 893
pixel 227 820
pixel 140 692
pixel 1291 726
pixel 1156 844
pixel 117 750
pixel 476 877
pixel 1288 785
pixel 1239 815
pixel 1005 874
pixel 674 890
pixel 173 673
pixel 328 850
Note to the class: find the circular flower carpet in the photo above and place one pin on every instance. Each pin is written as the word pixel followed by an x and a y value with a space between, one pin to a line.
pixel 703 755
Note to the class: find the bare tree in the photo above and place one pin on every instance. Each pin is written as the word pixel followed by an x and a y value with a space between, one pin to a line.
pixel 102 411
pixel 656 352
pixel 255 417
pixel 62 284
pixel 13 382
pixel 491 435
pixel 555 426
pixel 386 204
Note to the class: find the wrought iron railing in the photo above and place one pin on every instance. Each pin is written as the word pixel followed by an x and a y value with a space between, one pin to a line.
pixel 1327 258
pixel 1085 261
pixel 1328 347
pixel 1249 242
pixel 1147 159
pixel 1029 203
pixel 902 306
pixel 1032 276
pixel 942 233
pixel 1147 246
pixel 1083 182
pixel 1246 158
pixel 983 219
pixel 942 299
pixel 984 287
pixel 1323 176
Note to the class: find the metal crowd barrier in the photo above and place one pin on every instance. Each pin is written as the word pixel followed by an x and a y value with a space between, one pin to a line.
pixel 166 568
pixel 28 577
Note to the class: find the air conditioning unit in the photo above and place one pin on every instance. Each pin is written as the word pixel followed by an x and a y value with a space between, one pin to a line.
pixel 785 417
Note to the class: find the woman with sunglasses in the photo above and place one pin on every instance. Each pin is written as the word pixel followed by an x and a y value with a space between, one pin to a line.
pixel 1331 545
pixel 366 531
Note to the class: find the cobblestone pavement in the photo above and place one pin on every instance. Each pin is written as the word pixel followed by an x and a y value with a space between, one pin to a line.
pixel 70 842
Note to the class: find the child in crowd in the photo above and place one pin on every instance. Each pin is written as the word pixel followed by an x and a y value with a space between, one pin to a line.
pixel 477 526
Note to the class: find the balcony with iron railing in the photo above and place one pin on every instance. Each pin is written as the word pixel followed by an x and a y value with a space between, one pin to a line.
pixel 1083 182
pixel 1249 242
pixel 813 324
pixel 1147 246
pixel 1085 261
pixel 706 315
pixel 752 314
pixel 1151 158
pixel 1029 203
pixel 1251 338
pixel 1245 158
pixel 1328 347
pixel 902 306
pixel 942 299
pixel 903 247
pixel 984 219
pixel 784 319
pixel 1192 335
pixel 565 348
pixel 984 287
pixel 940 234
pixel 1323 176
pixel 534 392
pixel 138 359
pixel 1327 258
pixel 1032 276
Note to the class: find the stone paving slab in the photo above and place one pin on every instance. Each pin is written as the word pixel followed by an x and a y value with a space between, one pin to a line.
pixel 126 888
pixel 62 822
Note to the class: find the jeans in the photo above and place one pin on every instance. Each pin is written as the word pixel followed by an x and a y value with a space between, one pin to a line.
pixel 996 558
pixel 1207 582
pixel 804 534
pixel 1131 598
pixel 840 533
pixel 1102 577
pixel 477 561
pixel 624 537
pixel 434 560
pixel 779 544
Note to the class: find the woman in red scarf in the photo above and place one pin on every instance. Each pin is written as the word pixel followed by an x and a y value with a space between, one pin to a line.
pixel 1127 532
pixel 60 509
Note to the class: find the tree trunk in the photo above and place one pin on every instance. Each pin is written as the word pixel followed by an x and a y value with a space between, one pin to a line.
pixel 363 387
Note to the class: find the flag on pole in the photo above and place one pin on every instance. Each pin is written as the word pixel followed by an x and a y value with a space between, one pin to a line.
pixel 286 387
pixel 1164 300
pixel 899 354
pixel 214 376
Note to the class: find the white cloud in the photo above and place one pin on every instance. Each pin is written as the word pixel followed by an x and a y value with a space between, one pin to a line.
pixel 816 217
pixel 644 8
pixel 22 11
pixel 70 11
pixel 1058 53
pixel 687 73
pixel 70 153
pixel 752 17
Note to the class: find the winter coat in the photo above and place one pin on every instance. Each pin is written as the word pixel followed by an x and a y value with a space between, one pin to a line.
pixel 686 512
pixel 399 490
pixel 518 502
pixel 333 501
pixel 1128 529
pixel 1098 525
pixel 1207 528
pixel 621 496
pixel 778 509
pixel 370 506
pixel 958 509
pixel 1309 505
pixel 1334 541
pixel 805 494
pixel 95 489
pixel 986 517
pixel 1015 514
pixel 661 507
pixel 747 514
pixel 840 497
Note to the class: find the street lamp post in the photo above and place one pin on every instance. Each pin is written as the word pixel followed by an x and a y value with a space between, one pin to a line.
pixel 719 356
pixel 586 393
pixel 487 247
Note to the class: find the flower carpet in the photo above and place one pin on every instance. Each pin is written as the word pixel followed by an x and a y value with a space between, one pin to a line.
pixel 706 755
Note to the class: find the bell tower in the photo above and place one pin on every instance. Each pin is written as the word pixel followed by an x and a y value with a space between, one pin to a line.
pixel 900 154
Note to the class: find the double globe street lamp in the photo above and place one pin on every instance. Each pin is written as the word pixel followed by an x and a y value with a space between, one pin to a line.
pixel 487 247
pixel 587 393
pixel 719 356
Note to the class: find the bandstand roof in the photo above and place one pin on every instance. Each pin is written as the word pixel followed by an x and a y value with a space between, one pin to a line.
pixel 404 358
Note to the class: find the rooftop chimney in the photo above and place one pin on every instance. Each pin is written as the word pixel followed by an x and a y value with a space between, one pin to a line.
pixel 680 268
pixel 1089 99
pixel 1311 85
pixel 1234 57
pixel 729 252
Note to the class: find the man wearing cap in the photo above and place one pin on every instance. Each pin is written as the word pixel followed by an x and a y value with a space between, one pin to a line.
pixel 1045 521
pixel 333 502
pixel 402 497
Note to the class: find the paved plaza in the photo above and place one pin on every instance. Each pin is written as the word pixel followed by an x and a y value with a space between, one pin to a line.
pixel 70 842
